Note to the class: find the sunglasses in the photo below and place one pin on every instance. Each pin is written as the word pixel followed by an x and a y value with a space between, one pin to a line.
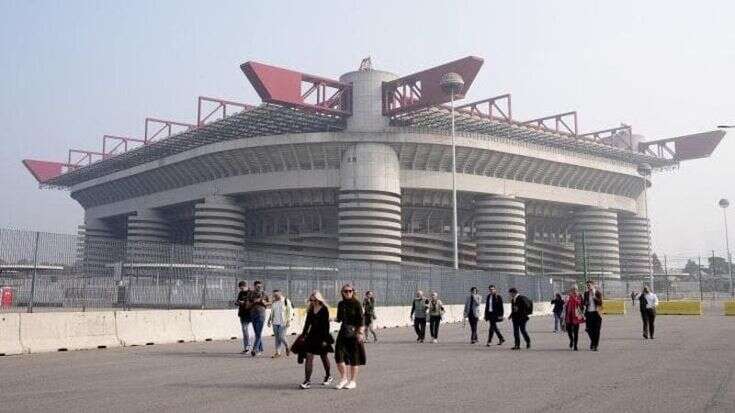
pixel 347 291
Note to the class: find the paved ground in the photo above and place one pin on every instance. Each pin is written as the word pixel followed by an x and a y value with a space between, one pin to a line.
pixel 688 368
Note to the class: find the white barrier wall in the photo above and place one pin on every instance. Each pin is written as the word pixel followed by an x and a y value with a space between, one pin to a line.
pixel 10 334
pixel 137 328
pixel 41 332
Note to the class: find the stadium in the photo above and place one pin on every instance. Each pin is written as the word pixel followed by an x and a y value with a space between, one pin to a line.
pixel 360 168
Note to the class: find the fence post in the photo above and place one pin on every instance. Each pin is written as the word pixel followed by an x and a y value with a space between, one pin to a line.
pixel 699 272
pixel 35 273
pixel 666 274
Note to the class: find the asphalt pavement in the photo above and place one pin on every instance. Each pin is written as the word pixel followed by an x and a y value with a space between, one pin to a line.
pixel 688 368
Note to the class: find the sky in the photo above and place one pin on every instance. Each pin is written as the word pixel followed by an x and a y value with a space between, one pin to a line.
pixel 71 71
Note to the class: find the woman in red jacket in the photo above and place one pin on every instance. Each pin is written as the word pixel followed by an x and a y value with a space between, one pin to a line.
pixel 573 316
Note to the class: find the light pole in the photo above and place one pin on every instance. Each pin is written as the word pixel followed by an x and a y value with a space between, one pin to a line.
pixel 645 171
pixel 724 203
pixel 452 83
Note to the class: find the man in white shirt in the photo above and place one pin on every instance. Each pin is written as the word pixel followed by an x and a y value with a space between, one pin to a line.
pixel 648 302
pixel 592 303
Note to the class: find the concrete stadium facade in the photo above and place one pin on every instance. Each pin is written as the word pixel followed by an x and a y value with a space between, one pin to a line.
pixel 377 190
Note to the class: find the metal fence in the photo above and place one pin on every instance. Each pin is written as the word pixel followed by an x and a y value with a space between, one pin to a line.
pixel 43 271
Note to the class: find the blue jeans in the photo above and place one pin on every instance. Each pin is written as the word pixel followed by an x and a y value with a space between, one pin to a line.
pixel 245 322
pixel 557 322
pixel 258 322
pixel 279 332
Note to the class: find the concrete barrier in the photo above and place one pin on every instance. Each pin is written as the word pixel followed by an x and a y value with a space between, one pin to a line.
pixel 208 325
pixel 136 328
pixel 43 332
pixel 730 308
pixel 613 307
pixel 10 334
pixel 680 307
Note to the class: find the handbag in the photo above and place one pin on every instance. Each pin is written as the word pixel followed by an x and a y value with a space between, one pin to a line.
pixel 348 331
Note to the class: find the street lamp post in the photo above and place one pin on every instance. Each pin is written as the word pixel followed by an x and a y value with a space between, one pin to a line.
pixel 645 171
pixel 453 83
pixel 724 203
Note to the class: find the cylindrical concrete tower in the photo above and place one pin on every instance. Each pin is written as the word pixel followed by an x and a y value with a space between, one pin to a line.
pixel 99 246
pixel 148 231
pixel 596 241
pixel 500 232
pixel 635 246
pixel 370 204
pixel 367 103
pixel 219 230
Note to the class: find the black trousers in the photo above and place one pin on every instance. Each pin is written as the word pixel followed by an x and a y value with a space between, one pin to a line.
pixel 473 328
pixel 649 318
pixel 494 330
pixel 434 322
pixel 519 328
pixel 594 325
pixel 573 332
pixel 419 324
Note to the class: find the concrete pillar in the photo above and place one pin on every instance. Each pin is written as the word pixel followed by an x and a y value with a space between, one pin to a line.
pixel 148 237
pixel 635 246
pixel 99 247
pixel 367 103
pixel 600 229
pixel 219 231
pixel 500 233
pixel 370 204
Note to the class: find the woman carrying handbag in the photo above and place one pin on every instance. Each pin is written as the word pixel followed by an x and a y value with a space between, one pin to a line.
pixel 573 316
pixel 315 339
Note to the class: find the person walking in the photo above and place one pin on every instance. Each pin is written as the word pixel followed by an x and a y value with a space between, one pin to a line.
pixel 243 312
pixel 648 303
pixel 436 313
pixel 349 352
pixel 368 305
pixel 592 304
pixel 521 308
pixel 573 316
pixel 494 312
pixel 260 303
pixel 419 309
pixel 280 318
pixel 472 312
pixel 317 341
pixel 558 311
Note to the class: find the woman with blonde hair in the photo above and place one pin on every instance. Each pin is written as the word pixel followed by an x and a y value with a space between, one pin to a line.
pixel 349 352
pixel 316 338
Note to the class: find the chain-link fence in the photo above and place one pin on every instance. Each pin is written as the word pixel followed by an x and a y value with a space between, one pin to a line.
pixel 43 271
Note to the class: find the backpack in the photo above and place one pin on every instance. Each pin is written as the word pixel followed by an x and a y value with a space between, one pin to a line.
pixel 529 304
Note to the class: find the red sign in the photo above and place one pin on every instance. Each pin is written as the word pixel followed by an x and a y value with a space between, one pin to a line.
pixel 6 298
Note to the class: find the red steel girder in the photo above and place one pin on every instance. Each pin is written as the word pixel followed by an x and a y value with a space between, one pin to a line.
pixel 44 171
pixel 620 136
pixel 88 157
pixel 423 89
pixel 109 148
pixel 220 106
pixel 565 123
pixel 166 127
pixel 684 148
pixel 497 107
pixel 290 88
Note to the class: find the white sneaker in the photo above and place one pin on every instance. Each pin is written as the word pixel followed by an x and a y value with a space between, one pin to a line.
pixel 351 385
pixel 434 341
pixel 341 385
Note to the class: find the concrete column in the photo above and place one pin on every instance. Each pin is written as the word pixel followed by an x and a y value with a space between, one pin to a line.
pixel 148 237
pixel 219 231
pixel 370 204
pixel 500 233
pixel 635 246
pixel 99 247
pixel 600 229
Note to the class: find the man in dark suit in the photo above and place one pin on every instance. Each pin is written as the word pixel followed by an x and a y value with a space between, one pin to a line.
pixel 521 308
pixel 493 314
pixel 592 303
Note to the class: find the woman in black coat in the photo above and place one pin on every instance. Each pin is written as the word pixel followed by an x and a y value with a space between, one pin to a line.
pixel 349 352
pixel 317 339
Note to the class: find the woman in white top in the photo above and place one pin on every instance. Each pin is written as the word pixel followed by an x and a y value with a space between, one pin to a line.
pixel 280 319
pixel 648 303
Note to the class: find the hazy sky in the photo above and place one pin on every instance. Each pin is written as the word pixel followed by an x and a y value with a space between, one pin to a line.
pixel 72 71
